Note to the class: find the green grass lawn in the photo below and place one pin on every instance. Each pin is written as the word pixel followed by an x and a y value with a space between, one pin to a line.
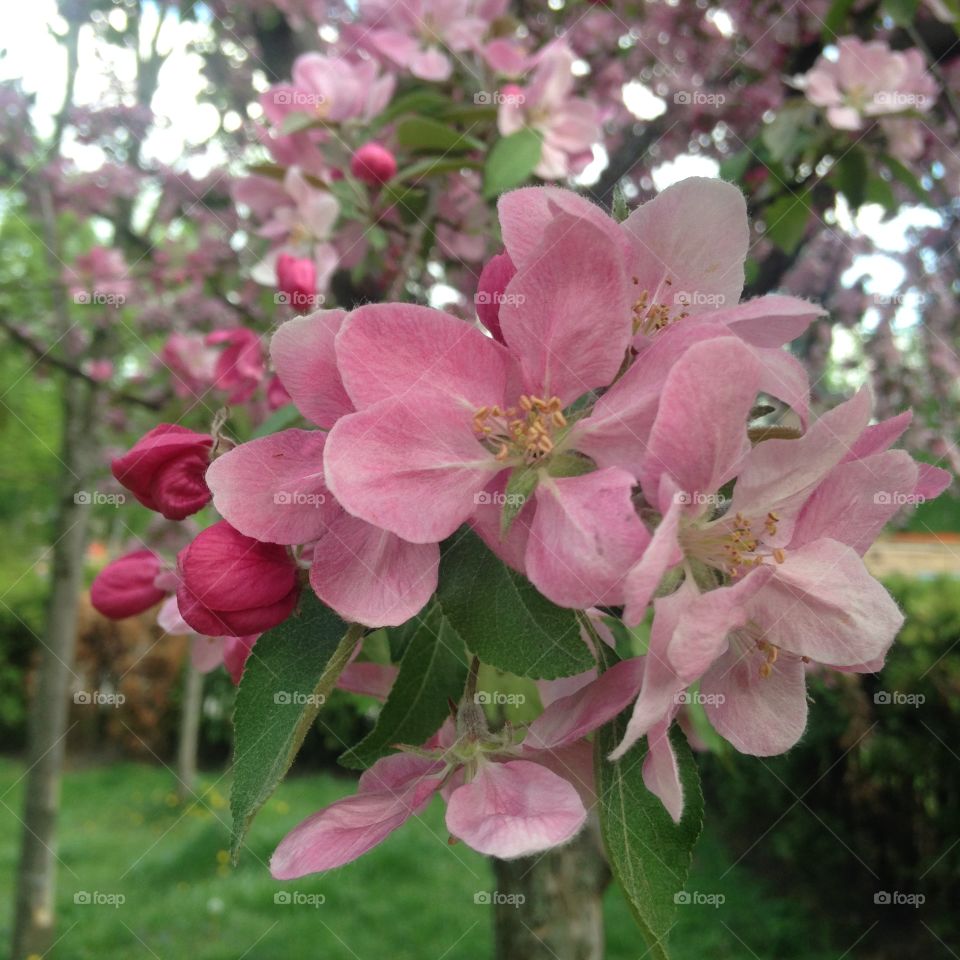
pixel 123 833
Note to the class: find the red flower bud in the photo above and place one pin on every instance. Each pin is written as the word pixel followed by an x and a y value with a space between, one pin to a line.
pixel 232 585
pixel 165 470
pixel 373 164
pixel 127 586
pixel 297 279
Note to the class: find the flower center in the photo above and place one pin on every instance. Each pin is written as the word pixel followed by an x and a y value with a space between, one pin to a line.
pixel 730 544
pixel 527 432
pixel 650 317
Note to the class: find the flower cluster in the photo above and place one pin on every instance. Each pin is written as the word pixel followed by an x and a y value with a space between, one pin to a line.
pixel 622 431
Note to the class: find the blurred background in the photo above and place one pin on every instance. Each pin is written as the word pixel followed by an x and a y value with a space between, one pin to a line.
pixel 129 233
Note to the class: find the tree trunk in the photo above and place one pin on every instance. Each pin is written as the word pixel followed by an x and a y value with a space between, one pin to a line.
pixel 560 915
pixel 34 912
pixel 189 730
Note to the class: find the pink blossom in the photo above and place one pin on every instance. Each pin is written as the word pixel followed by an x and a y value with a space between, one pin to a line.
pixel 232 585
pixel 868 80
pixel 373 163
pixel 297 280
pixel 191 362
pixel 240 365
pixel 274 489
pixel 164 470
pixel 504 799
pixel 127 585
pixel 570 125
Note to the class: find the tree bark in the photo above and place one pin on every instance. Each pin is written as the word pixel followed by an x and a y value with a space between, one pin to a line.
pixel 36 874
pixel 561 914
pixel 189 731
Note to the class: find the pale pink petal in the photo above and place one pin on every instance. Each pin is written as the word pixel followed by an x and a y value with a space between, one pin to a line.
pixel 880 436
pixel 779 475
pixel 823 604
pixel 350 827
pixel 303 354
pixel 784 377
pixel 371 576
pixel 699 437
pixel 525 215
pixel 661 775
pixel 695 235
pixel 170 621
pixel 584 537
pixel 701 633
pixel 206 653
pixel 565 314
pixel 486 521
pixel 412 468
pixel 574 763
pixel 768 321
pixel 399 350
pixel 661 685
pixel 856 499
pixel 515 809
pixel 272 488
pixel 662 552
pixel 431 64
pixel 931 481
pixel 760 715
pixel 368 679
pixel 574 716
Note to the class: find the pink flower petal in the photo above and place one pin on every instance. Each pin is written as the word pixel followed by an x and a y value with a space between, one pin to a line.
pixel 412 468
pixel 368 679
pixel 584 537
pixel 695 235
pixel 303 354
pixel 526 214
pixel 371 576
pixel 769 321
pixel 700 435
pixel 566 314
pixel 662 552
pixel 514 809
pixel 823 604
pixel 661 775
pixel 394 350
pixel 273 489
pixel 573 717
pixel 760 715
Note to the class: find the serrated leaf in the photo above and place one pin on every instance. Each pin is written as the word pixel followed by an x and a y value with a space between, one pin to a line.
pixel 422 133
pixel 649 854
pixel 433 670
pixel 786 219
pixel 290 672
pixel 501 616
pixel 511 161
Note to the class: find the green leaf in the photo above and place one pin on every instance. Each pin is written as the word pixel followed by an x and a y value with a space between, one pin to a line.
pixel 434 166
pixel 422 133
pixel 433 670
pixel 411 202
pixel 416 101
pixel 502 618
pixel 849 175
pixel 285 416
pixel 902 12
pixel 649 854
pixel 786 219
pixel 790 130
pixel 735 166
pixel 908 178
pixel 296 122
pixel 289 674
pixel 523 481
pixel 511 161
pixel 835 18
pixel 879 191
